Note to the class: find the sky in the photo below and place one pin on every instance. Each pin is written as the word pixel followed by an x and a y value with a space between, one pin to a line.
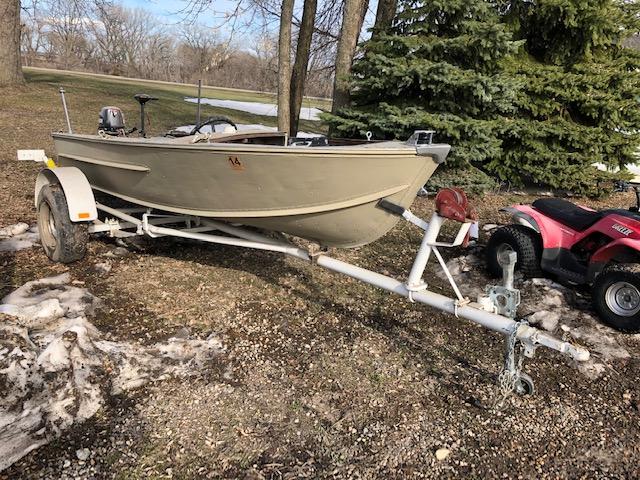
pixel 172 12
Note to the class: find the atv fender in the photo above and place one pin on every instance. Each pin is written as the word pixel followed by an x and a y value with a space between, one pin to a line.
pixel 623 250
pixel 554 235
pixel 522 218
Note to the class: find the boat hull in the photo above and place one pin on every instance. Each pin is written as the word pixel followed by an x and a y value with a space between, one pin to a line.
pixel 324 194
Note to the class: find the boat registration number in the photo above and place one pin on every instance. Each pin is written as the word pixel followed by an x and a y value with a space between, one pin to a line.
pixel 235 163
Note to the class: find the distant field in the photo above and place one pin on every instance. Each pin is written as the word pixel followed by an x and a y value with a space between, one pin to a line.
pixel 185 89
pixel 87 94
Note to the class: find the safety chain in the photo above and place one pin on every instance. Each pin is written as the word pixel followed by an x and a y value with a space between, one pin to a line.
pixel 511 371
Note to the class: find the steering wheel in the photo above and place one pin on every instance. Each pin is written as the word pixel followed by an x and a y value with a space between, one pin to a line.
pixel 213 121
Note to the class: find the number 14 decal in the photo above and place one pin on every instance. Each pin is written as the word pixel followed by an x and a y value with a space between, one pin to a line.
pixel 235 163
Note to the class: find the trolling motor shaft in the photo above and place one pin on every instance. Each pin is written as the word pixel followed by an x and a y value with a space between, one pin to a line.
pixel 143 98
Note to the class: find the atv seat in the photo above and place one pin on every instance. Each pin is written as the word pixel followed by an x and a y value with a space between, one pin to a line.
pixel 567 213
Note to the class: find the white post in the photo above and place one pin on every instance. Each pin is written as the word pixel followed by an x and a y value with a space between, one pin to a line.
pixel 66 112
pixel 420 263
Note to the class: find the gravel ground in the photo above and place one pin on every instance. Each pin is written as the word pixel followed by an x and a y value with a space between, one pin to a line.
pixel 322 377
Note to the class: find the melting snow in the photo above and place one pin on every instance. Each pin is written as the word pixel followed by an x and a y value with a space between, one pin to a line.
pixel 243 127
pixel 546 305
pixel 257 108
pixel 56 370
pixel 18 237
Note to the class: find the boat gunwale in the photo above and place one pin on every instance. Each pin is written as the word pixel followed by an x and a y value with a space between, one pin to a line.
pixel 402 149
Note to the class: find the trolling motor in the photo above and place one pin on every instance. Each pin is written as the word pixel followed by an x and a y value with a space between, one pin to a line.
pixel 143 98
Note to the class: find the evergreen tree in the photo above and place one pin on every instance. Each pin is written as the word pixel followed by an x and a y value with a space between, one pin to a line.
pixel 544 112
pixel 437 67
pixel 579 102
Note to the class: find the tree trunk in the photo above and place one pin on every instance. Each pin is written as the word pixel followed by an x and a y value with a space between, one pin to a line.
pixel 10 64
pixel 299 75
pixel 384 16
pixel 284 65
pixel 352 18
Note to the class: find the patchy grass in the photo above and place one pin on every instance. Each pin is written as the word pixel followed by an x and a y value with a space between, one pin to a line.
pixel 40 102
pixel 186 90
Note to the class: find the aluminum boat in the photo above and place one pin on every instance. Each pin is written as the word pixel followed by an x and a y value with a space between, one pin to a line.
pixel 327 194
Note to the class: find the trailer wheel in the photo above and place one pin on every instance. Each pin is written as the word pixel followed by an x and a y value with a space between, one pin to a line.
pixel 524 385
pixel 63 241
pixel 616 296
pixel 516 238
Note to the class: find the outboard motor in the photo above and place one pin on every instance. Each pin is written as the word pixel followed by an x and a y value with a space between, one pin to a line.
pixel 111 121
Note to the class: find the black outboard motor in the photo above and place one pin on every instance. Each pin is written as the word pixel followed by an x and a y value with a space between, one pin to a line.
pixel 111 121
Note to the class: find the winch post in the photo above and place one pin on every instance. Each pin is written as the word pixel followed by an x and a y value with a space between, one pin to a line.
pixel 66 112
pixel 420 262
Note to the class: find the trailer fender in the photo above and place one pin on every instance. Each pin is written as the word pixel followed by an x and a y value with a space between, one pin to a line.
pixel 76 188
pixel 522 218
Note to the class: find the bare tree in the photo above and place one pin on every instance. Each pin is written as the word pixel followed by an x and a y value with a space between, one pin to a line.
pixel 33 31
pixel 352 19
pixel 10 63
pixel 284 65
pixel 266 61
pixel 159 59
pixel 202 51
pixel 299 74
pixel 66 30
pixel 139 27
pixel 108 31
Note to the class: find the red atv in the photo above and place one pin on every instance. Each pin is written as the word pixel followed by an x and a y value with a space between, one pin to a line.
pixel 580 246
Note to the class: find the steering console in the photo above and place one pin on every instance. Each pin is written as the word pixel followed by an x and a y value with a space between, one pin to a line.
pixel 213 121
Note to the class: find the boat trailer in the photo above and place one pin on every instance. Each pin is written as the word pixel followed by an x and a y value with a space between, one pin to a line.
pixel 495 311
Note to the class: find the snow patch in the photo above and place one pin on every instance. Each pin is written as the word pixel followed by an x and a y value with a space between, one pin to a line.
pixel 242 127
pixel 56 370
pixel 257 108
pixel 18 237
pixel 551 307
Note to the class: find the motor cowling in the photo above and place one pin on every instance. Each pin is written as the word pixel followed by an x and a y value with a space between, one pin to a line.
pixel 111 121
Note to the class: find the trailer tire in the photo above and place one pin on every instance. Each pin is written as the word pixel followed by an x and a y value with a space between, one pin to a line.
pixel 616 296
pixel 63 241
pixel 522 240
pixel 524 385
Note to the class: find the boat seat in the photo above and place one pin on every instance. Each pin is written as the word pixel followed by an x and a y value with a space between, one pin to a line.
pixel 567 213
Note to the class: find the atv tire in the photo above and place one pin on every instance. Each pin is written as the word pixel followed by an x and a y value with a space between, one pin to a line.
pixel 520 239
pixel 63 241
pixel 616 296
